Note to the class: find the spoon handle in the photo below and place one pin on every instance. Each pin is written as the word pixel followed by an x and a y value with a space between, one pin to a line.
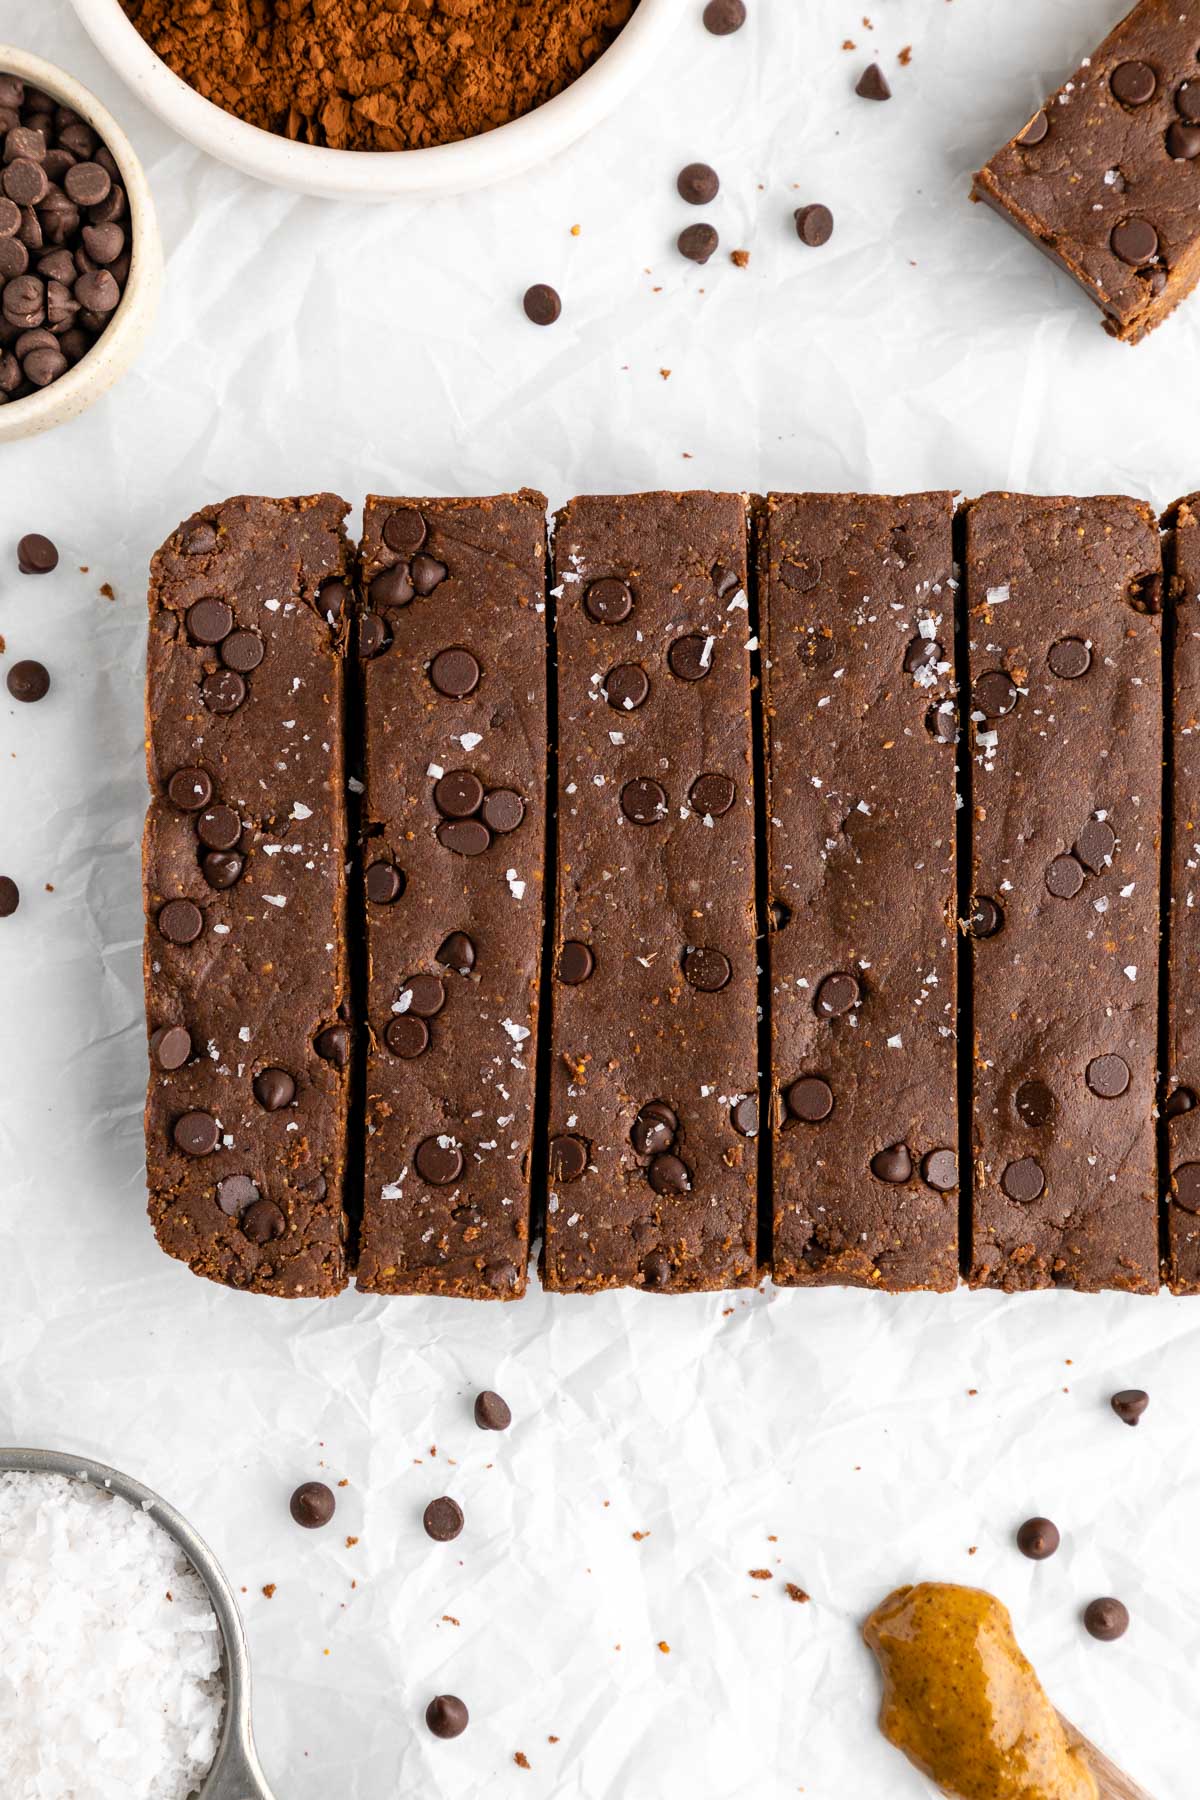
pixel 1112 1782
pixel 238 1777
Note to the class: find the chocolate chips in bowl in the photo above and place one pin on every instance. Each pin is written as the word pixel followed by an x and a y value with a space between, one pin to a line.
pixel 80 257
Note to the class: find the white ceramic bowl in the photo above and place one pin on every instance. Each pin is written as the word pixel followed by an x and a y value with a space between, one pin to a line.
pixel 130 324
pixel 385 174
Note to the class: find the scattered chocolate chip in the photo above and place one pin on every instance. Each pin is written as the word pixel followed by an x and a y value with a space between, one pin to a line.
pixel 656 1270
pixel 809 1099
pixel 803 574
pixel 1108 1076
pixel 814 227
pixel 1035 132
pixel 373 636
pixel 568 1157
pixel 1069 658
pixel 274 1089
pixel 1064 878
pixel 223 691
pixel 457 951
pixel 190 789
pixel 407 1036
pixel 312 1505
pixel 691 657
pixel 1181 1101
pixel 711 796
pixel 1133 83
pixel 459 794
pixel 941 721
pixel 1034 1103
pixel 1185 1183
pixel 439 1161
pixel 219 828
pixel 208 621
pixel 654 1130
pixel 1187 101
pixel 609 600
pixel 893 1164
pixel 28 680
pixel 668 1175
pixel 491 1412
pixel 503 810
pixel 743 1116
pixel 698 184
pixel 1095 845
pixel 196 1134
pixel 576 963
pixel 1134 241
pixel 332 1045
pixel 921 653
pixel 446 1716
pixel 426 996
pixel 200 540
pixel 1038 1538
pixel 1106 1619
pixel 171 1046
pixel 1130 1404
pixel 384 883
pixel 36 555
pixel 872 84
pixel 392 590
pixel 626 687
pixel 836 994
pixel 442 1519
pixel 243 651
pixel 222 870
pixel 333 601
pixel 180 921
pixel 405 531
pixel 1023 1180
pixel 427 574
pixel 643 801
pixel 10 896
pixel 697 242
pixel 455 673
pixel 542 304
pixel 466 837
pixel 939 1170
pixel 994 693
pixel 706 969
pixel 1183 142
pixel 723 17
pixel 987 918
pixel 235 1193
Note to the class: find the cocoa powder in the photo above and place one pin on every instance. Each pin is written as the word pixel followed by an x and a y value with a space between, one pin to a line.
pixel 379 74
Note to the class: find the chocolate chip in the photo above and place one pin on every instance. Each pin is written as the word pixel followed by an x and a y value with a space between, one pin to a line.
pixel 1034 1103
pixel 1064 878
pixel 576 963
pixel 373 636
pixel 332 1045
pixel 1130 1404
pixel 103 243
pixel 455 673
pixel 1023 1180
pixel 243 651
pixel 36 555
pixel 333 600
pixel 941 721
pixel 654 1130
pixel 711 796
pixel 171 1046
pixel 427 574
pixel 405 531
pixel 1183 142
pixel 1038 1538
pixel 466 837
pixel 697 242
pixel 814 227
pixel 491 1412
pixel 803 574
pixel 407 1036
pixel 274 1089
pixel 568 1157
pixel 722 17
pixel 439 1161
pixel 502 1277
pixel 10 896
pixel 1106 1619
pixel 743 1116
pixel 994 693
pixel 446 1716
pixel 503 810
pixel 1181 1101
pixel 1133 83
pixel 384 883
pixel 222 870
pixel 196 1134
pixel 626 687
pixel 698 184
pixel 643 801
pixel 458 795
pixel 691 657
pixel 1095 845
pixel 939 1170
pixel 893 1164
pixel 1185 1183
pixel 1035 132
pixel 180 921
pixel 209 621
pixel 542 304
pixel 810 1099
pixel 426 996
pixel 263 1222
pixel 97 291
pixel 87 184
pixel 392 589
pixel 921 653
pixel 705 969
pixel 190 789
pixel 1108 1076
pixel 872 84
pixel 28 680
pixel 442 1519
pixel 836 994
pixel 223 691
pixel 235 1193
pixel 25 182
pixel 987 918
pixel 668 1175
pixel 219 828
pixel 457 951
pixel 1069 658
pixel 312 1505
pixel 1134 241
pixel 656 1270
pixel 609 601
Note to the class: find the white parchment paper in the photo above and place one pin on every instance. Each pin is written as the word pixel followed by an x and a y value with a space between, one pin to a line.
pixel 845 1442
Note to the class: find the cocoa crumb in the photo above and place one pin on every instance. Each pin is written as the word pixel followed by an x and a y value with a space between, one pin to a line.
pixel 740 258
pixel 520 1758
pixel 905 56
pixel 760 1575
pixel 638 1536
pixel 269 1590
pixel 796 1593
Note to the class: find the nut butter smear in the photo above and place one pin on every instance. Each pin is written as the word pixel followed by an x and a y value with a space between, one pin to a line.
pixel 962 1702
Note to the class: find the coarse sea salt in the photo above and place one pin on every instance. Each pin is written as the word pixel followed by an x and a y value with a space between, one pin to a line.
pixel 110 1652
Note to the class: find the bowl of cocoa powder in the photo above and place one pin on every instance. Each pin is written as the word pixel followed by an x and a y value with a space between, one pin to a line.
pixel 333 98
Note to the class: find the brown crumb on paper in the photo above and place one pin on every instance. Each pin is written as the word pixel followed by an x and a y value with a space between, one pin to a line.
pixel 740 259
pixel 761 1575
pixel 905 56
pixel 520 1758
pixel 797 1594
pixel 664 1646
pixel 269 1590
pixel 639 1536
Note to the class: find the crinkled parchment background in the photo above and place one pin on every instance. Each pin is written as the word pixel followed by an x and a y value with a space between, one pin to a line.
pixel 846 1442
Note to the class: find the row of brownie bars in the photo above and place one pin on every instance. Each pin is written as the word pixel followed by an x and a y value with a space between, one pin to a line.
pixel 698 832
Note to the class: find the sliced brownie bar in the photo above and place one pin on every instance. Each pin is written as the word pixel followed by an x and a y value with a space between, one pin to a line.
pixel 1181 1106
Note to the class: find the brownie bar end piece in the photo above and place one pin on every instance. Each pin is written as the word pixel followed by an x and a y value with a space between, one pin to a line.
pixel 1181 1105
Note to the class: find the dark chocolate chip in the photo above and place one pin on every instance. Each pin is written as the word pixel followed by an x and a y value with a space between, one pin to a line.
pixel 814 227
pixel 1185 1184
pixel 1130 1404
pixel 1034 1103
pixel 1187 101
pixel 28 680
pixel 872 84
pixel 711 796
pixel 446 1716
pixel 442 1519
pixel 651 1132
pixel 994 693
pixel 836 994
pixel 333 600
pixel 97 291
pixel 491 1412
pixel 568 1157
pixel 208 621
pixel 384 883
pixel 466 837
pixel 87 184
pixel 393 588
pixel 1108 1076
pixel 609 600
pixel 987 918
pixel 1106 1619
pixel 263 1222
pixel 626 687
pixel 312 1505
pixel 542 304
pixel 576 963
pixel 941 721
pixel 1134 241
pixel 803 574
pixel 200 540
pixel 180 921
pixel 223 691
pixel 1183 142
pixel 221 869
pixel 439 1161
pixel 457 951
pixel 1069 658
pixel 373 635
pixel 332 1045
pixel 426 995
pixel 1038 1538
pixel 697 242
pixel 190 789
pixel 1181 1101
pixel 243 651
pixel 656 1270
pixel 723 17
pixel 1023 1180
pixel 171 1046
pixel 1064 877
pixel 427 574
pixel 691 657
pixel 668 1175
pixel 743 1116
pixel 706 969
pixel 25 182
pixel 196 1134
pixel 1035 132
pixel 893 1164
pixel 1133 83
pixel 235 1193
pixel 503 810
pixel 274 1089
pixel 36 555
pixel 407 1036
pixel 643 801
pixel 405 531
pixel 458 794
pixel 455 673
pixel 939 1170
pixel 10 896
pixel 810 1099
pixel 219 828
pixel 1095 845
pixel 921 652
pixel 698 184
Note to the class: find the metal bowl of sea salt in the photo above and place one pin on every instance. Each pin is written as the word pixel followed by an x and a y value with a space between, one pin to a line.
pixel 233 1773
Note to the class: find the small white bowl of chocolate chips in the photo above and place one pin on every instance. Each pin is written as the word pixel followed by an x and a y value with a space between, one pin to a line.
pixel 80 256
